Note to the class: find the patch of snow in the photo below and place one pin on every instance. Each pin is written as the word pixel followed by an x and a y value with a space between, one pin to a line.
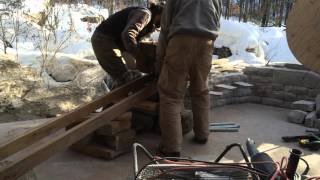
pixel 276 46
pixel 239 37
pixel 270 43
pixel 263 43
pixel 34 6
pixel 78 46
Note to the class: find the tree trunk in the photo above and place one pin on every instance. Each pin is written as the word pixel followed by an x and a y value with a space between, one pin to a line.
pixel 245 17
pixel 288 8
pixel 3 35
pixel 241 10
pixel 281 13
pixel 227 14
pixel 265 13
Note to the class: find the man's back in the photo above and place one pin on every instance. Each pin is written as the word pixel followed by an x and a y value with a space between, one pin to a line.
pixel 196 17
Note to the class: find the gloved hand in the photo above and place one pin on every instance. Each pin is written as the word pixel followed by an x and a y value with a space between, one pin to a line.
pixel 131 75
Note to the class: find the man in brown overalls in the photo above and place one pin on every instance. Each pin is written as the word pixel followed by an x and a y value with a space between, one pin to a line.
pixel 119 33
pixel 188 31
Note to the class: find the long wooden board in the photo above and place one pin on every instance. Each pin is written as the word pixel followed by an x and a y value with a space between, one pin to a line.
pixel 19 163
pixel 303 33
pixel 78 114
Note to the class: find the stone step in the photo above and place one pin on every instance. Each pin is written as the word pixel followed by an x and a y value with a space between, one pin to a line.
pixel 225 86
pixel 243 84
pixel 216 93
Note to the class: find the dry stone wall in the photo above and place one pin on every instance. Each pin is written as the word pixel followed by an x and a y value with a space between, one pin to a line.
pixel 268 85
pixel 282 86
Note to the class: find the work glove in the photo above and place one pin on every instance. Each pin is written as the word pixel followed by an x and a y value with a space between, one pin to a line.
pixel 131 75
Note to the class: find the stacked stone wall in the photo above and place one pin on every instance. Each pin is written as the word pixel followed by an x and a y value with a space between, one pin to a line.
pixel 274 86
pixel 281 86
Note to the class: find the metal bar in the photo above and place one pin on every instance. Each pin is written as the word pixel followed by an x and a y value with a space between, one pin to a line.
pixel 226 126
pixel 229 147
pixel 50 127
pixel 224 129
pixel 21 162
pixel 222 124
pixel 135 157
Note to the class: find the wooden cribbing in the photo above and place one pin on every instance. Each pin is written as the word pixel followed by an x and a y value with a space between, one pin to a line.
pixel 25 152
pixel 50 127
pixel 147 107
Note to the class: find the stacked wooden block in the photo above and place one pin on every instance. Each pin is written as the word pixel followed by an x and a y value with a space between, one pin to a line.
pixel 109 141
pixel 117 137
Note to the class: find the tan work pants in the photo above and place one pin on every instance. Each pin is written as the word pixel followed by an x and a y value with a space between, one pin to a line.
pixel 114 61
pixel 187 58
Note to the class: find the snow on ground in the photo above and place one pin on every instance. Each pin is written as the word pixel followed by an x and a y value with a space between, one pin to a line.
pixel 78 45
pixel 270 43
pixel 267 43
pixel 239 37
pixel 276 46
pixel 264 44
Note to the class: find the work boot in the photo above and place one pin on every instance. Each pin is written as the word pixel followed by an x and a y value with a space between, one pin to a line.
pixel 113 83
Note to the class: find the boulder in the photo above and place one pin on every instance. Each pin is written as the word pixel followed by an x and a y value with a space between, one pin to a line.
pixel 222 52
pixel 297 116
pixel 304 105
pixel 65 69
pixel 92 77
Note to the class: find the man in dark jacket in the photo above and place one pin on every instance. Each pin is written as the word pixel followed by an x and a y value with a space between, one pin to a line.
pixel 188 31
pixel 122 32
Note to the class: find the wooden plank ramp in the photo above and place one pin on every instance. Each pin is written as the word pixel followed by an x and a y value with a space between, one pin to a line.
pixel 24 152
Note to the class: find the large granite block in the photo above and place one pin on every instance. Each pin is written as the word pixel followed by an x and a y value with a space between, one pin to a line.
pixel 297 116
pixel 304 105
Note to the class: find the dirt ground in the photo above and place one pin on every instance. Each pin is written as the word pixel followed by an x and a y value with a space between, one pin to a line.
pixel 25 96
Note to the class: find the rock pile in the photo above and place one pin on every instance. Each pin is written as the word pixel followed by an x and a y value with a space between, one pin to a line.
pixel 306 112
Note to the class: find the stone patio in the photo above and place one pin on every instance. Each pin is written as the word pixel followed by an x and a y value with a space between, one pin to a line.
pixel 264 124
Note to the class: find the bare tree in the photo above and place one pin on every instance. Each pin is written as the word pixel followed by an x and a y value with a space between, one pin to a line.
pixel 50 42
pixel 241 9
pixel 9 22
pixel 265 13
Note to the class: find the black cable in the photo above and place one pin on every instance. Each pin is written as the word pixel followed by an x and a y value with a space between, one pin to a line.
pixel 305 172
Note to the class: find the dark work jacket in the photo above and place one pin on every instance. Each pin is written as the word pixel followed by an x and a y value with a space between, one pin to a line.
pixel 127 27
